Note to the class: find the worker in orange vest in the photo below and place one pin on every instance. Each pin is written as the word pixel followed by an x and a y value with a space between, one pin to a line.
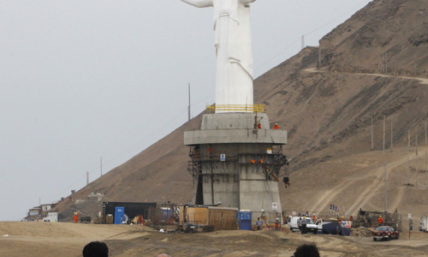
pixel 277 224
pixel 380 221
pixel 76 217
pixel 259 125
pixel 276 126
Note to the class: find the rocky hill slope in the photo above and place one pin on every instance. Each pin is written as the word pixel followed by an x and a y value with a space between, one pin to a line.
pixel 372 67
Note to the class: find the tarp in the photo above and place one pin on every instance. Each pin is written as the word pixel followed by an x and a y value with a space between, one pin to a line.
pixel 334 228
pixel 331 228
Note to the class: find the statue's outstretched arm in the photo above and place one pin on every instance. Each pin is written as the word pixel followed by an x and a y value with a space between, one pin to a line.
pixel 247 1
pixel 199 3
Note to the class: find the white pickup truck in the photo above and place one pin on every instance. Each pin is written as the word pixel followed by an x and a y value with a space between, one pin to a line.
pixel 423 225
pixel 310 225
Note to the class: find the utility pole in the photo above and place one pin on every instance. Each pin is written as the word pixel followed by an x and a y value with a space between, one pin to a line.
pixel 358 62
pixel 416 139
pixel 189 114
pixel 372 132
pixel 303 41
pixel 426 149
pixel 426 141
pixel 417 157
pixel 384 121
pixel 384 162
pixel 408 157
pixel 386 63
pixel 392 135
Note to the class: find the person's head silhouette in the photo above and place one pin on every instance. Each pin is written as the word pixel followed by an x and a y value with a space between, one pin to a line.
pixel 306 250
pixel 95 249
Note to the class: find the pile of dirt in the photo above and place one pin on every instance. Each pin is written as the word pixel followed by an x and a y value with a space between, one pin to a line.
pixel 361 232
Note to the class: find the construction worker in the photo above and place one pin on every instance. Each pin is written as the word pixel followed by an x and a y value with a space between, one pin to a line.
pixel 277 224
pixel 259 125
pixel 258 224
pixel 76 217
pixel 304 222
pixel 276 126
pixel 314 218
pixel 369 220
pixel 263 216
pixel 380 220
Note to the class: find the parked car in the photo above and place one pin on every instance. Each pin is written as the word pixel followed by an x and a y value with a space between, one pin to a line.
pixel 292 223
pixel 385 232
pixel 423 224
pixel 310 226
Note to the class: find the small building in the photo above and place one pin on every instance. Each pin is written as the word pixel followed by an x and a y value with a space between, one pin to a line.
pixel 46 207
pixel 51 217
pixel 33 212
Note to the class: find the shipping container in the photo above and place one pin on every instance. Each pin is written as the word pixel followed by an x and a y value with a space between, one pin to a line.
pixel 197 215
pixel 132 209
pixel 216 218
pixel 223 218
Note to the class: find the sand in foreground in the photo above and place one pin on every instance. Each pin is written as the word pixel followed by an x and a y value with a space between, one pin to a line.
pixel 34 239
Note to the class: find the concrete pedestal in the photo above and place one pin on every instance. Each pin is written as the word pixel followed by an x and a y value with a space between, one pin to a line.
pixel 235 163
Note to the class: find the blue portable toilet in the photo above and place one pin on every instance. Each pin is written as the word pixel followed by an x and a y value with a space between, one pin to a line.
pixel 244 220
pixel 119 215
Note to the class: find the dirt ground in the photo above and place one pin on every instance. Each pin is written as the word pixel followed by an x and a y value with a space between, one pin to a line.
pixel 68 239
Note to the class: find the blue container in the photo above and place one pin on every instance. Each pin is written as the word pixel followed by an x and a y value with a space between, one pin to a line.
pixel 119 215
pixel 244 220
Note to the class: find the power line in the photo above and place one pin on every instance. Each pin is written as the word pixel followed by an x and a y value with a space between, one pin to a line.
pixel 287 47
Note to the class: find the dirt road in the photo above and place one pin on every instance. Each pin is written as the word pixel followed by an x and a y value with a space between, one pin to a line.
pixel 422 81
pixel 67 240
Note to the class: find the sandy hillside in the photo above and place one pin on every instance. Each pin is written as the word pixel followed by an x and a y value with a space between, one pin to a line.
pixel 371 67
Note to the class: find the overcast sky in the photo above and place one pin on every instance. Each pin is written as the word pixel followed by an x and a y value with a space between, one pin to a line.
pixel 81 80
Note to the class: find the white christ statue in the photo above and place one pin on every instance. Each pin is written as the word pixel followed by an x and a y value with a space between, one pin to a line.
pixel 234 67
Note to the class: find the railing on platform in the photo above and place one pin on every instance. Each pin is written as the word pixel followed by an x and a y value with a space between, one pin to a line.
pixel 255 108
